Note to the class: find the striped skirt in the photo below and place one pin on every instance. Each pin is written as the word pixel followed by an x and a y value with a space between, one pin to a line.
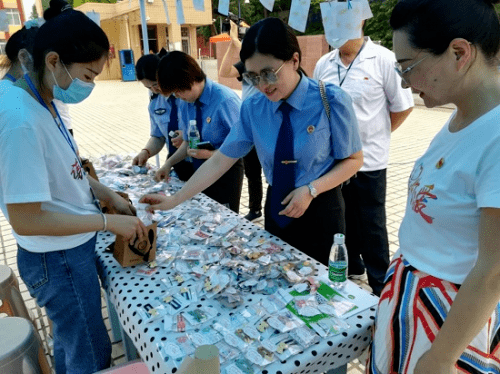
pixel 412 309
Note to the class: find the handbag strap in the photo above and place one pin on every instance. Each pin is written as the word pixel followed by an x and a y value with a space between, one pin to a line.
pixel 326 104
pixel 322 92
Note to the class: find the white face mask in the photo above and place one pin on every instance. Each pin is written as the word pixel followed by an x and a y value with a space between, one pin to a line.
pixel 337 43
pixel 75 93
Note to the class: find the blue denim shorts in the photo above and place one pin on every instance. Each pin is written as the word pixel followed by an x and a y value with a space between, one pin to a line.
pixel 67 285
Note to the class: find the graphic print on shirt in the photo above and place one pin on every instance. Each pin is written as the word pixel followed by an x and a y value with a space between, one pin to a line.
pixel 420 195
pixel 76 170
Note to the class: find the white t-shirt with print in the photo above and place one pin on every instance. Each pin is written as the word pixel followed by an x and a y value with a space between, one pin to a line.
pixel 457 175
pixel 38 165
pixel 375 89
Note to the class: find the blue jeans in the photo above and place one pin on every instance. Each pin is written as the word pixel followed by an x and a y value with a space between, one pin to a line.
pixel 66 284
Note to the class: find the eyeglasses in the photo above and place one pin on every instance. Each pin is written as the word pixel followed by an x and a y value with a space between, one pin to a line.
pixel 267 75
pixel 401 72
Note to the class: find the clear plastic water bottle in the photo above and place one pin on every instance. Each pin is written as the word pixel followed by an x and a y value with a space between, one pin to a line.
pixel 193 134
pixel 337 264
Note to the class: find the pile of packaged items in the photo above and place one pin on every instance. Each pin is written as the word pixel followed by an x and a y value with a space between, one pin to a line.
pixel 264 301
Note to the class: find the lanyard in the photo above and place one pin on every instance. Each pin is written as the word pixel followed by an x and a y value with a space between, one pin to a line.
pixel 10 77
pixel 350 65
pixel 62 128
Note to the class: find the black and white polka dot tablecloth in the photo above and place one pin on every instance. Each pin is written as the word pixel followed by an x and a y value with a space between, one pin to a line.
pixel 128 291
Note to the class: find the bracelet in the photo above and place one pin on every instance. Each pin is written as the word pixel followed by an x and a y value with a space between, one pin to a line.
pixel 147 150
pixel 105 222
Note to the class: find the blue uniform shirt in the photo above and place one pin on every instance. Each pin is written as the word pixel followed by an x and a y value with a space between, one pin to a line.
pixel 318 143
pixel 159 113
pixel 220 112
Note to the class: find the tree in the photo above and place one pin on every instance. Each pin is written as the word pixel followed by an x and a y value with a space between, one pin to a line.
pixel 76 3
pixel 378 27
pixel 34 13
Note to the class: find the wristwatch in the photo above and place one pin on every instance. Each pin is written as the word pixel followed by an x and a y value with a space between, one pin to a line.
pixel 312 190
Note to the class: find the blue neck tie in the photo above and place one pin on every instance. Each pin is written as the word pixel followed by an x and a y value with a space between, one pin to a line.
pixel 284 167
pixel 173 124
pixel 199 123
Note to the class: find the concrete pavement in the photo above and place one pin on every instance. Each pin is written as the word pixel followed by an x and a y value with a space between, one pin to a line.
pixel 115 120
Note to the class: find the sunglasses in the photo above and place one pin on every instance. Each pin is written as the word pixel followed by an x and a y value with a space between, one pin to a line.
pixel 402 73
pixel 269 76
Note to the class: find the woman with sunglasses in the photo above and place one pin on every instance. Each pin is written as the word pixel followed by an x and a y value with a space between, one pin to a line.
pixel 305 155
pixel 439 311
pixel 215 108
pixel 163 114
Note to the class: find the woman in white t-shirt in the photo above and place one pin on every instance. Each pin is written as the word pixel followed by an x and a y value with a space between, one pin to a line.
pixel 45 194
pixel 439 311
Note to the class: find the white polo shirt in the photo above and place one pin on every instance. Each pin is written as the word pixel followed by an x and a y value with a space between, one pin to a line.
pixel 375 89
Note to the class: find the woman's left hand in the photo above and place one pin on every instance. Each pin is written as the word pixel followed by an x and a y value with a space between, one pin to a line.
pixel 298 201
pixel 122 206
pixel 201 154
pixel 429 364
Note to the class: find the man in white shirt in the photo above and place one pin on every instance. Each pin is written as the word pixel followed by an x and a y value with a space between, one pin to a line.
pixel 366 71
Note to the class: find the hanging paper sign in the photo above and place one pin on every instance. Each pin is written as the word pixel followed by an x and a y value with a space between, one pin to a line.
pixel 165 8
pixel 180 12
pixel 268 4
pixel 341 20
pixel 223 7
pixel 366 12
pixel 199 5
pixel 94 16
pixel 298 14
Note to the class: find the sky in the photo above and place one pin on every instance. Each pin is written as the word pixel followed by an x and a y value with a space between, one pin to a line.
pixel 28 5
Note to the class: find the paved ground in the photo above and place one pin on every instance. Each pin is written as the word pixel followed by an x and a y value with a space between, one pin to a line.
pixel 115 120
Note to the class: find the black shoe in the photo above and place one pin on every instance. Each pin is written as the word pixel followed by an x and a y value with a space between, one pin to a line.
pixel 253 215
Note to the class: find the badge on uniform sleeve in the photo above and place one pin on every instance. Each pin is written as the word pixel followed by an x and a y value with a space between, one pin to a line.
pixel 209 119
pixel 310 129
pixel 160 111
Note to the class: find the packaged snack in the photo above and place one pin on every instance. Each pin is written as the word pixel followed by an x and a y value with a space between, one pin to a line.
pixel 329 326
pixel 283 345
pixel 226 352
pixel 271 247
pixel 152 311
pixel 199 316
pixel 240 366
pixel 306 306
pixel 193 253
pixel 260 356
pixel 304 336
pixel 173 302
pixel 171 351
pixel 204 336
pixel 284 321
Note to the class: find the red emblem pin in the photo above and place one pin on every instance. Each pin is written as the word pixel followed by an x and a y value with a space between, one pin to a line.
pixel 310 129
pixel 440 163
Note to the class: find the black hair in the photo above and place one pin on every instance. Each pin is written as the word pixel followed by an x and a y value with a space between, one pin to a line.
pixel 147 65
pixel 22 39
pixel 178 71
pixel 431 25
pixel 69 33
pixel 271 36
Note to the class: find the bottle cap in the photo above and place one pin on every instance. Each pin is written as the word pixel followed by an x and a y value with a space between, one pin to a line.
pixel 339 239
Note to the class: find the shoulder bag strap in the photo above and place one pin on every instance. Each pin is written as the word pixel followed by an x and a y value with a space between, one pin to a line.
pixel 324 98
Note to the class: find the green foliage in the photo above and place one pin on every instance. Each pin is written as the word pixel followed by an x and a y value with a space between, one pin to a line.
pixel 34 14
pixel 377 27
pixel 77 3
